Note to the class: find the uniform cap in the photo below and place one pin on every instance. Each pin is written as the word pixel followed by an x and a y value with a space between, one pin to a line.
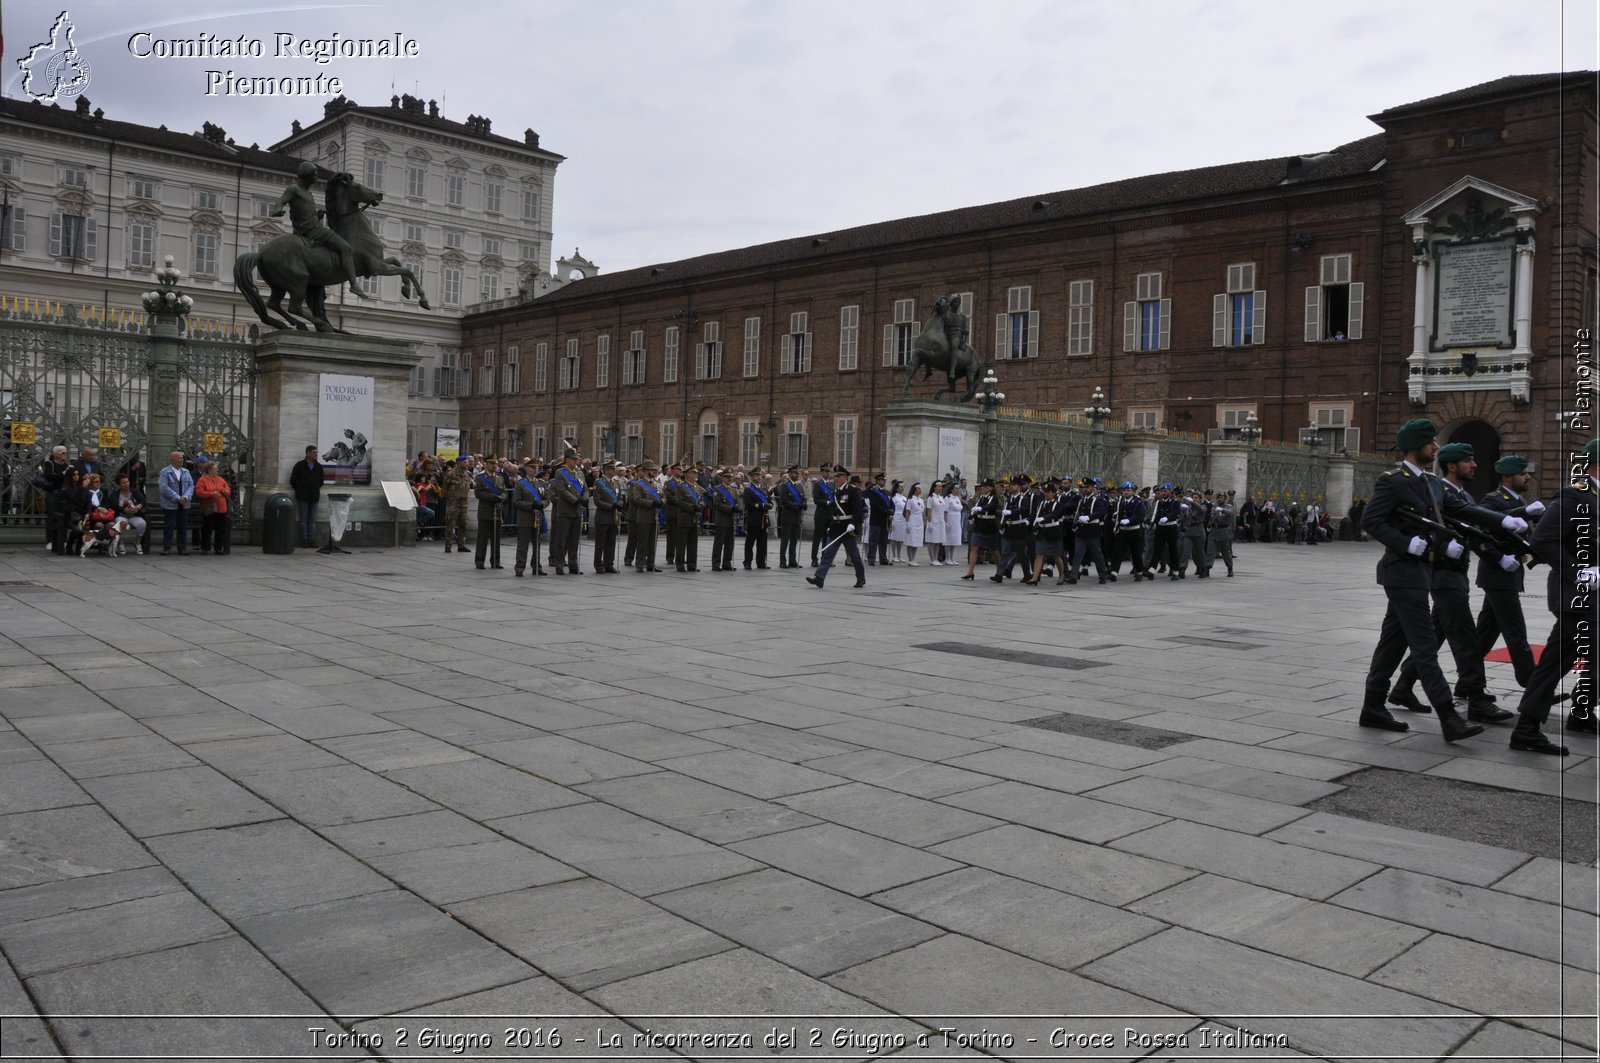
pixel 1127 485
pixel 1511 464
pixel 1592 452
pixel 1164 487
pixel 649 466
pixel 1455 452
pixel 1416 432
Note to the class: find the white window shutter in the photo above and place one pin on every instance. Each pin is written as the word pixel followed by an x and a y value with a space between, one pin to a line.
pixel 19 229
pixel 699 361
pixel 1313 314
pixel 1258 317
pixel 55 232
pixel 1033 333
pixel 89 239
pixel 1002 336
pixel 1130 326
pixel 1352 440
pixel 1219 320
pixel 888 345
pixel 805 353
pixel 1166 324
pixel 785 354
pixel 1353 329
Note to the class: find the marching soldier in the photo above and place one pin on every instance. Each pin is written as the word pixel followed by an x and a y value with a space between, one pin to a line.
pixel 985 526
pixel 1048 525
pixel 1193 528
pixel 1016 530
pixel 1127 517
pixel 791 496
pixel 847 514
pixel 1219 542
pixel 688 500
pixel 822 498
pixel 529 503
pixel 1406 574
pixel 724 511
pixel 457 490
pixel 757 523
pixel 608 506
pixel 1500 575
pixel 567 492
pixel 1090 517
pixel 1167 517
pixel 486 488
pixel 645 506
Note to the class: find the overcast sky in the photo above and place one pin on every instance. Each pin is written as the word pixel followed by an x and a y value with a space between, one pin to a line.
pixel 697 125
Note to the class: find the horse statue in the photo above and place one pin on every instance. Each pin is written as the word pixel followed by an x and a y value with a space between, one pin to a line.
pixel 303 263
pixel 932 350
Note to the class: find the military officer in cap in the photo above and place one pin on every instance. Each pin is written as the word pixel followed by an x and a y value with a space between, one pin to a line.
pixel 608 506
pixel 724 514
pixel 568 492
pixel 823 510
pixel 880 510
pixel 1016 530
pixel 985 526
pixel 1406 574
pixel 1565 539
pixel 688 500
pixel 791 498
pixel 1219 536
pixel 757 522
pixel 1127 520
pixel 529 503
pixel 457 490
pixel 486 489
pixel 1500 575
pixel 1093 511
pixel 848 513
pixel 1167 516
pixel 1048 525
pixel 645 506
pixel 1193 529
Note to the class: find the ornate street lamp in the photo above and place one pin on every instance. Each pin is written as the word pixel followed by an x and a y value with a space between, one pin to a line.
pixel 167 300
pixel 990 398
pixel 1251 432
pixel 1097 411
pixel 1314 440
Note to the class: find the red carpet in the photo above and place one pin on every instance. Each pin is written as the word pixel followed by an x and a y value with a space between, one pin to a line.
pixel 1503 655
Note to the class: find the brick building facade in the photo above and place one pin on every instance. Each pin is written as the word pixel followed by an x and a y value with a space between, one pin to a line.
pixel 1285 288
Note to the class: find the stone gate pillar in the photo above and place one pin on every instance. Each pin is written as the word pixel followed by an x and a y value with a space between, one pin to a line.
pixel 1228 467
pixel 1141 457
pixel 161 437
pixel 1340 491
pixel 926 438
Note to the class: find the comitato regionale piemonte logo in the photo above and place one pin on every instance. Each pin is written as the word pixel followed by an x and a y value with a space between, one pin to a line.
pixel 54 68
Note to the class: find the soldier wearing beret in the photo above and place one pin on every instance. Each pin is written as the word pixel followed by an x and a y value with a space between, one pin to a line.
pixel 568 491
pixel 791 497
pixel 1500 575
pixel 724 512
pixel 1406 574
pixel 528 502
pixel 688 500
pixel 645 505
pixel 609 503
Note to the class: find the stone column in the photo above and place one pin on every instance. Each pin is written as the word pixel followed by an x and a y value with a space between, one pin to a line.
pixel 291 365
pixel 1228 466
pixel 1419 317
pixel 162 437
pixel 1524 298
pixel 1141 457
pixel 915 428
pixel 1340 489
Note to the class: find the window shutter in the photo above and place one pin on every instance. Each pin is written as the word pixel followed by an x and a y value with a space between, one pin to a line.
pixel 19 232
pixel 89 233
pixel 1313 314
pixel 1166 324
pixel 785 354
pixel 699 361
pixel 1352 440
pixel 1130 326
pixel 1353 329
pixel 805 353
pixel 1258 317
pixel 1002 336
pixel 1033 333
pixel 55 232
pixel 1219 320
pixel 888 345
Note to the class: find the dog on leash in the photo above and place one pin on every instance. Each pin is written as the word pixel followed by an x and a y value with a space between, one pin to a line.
pixel 102 530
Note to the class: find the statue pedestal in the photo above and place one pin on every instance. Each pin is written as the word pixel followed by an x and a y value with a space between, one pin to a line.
pixel 288 403
pixel 926 438
pixel 1341 487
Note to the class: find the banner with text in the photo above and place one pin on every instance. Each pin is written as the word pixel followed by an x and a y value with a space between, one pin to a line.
pixel 344 427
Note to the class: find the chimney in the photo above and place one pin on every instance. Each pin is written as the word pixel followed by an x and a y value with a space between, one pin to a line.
pixel 1295 170
pixel 530 138
pixel 83 106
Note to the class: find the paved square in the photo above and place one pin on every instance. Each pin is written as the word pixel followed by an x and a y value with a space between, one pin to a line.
pixel 629 799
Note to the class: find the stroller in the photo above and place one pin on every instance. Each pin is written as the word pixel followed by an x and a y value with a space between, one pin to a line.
pixel 102 531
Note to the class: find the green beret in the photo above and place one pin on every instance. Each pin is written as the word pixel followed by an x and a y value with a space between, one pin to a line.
pixel 1511 464
pixel 1415 433
pixel 1592 452
pixel 1454 452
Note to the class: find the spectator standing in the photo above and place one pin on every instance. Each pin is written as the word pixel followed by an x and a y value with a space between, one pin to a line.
pixel 177 492
pixel 211 494
pixel 305 480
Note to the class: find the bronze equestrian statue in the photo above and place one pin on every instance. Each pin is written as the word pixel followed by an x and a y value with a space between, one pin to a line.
pixel 943 345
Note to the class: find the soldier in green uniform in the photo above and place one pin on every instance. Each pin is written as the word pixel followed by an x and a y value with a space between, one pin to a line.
pixel 669 494
pixel 608 506
pixel 486 487
pixel 644 508
pixel 529 503
pixel 688 500
pixel 567 491
pixel 724 506
pixel 457 490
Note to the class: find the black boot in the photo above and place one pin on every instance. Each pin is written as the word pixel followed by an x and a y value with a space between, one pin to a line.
pixel 1407 699
pixel 1527 738
pixel 1373 714
pixel 1453 727
pixel 1581 724
pixel 1488 712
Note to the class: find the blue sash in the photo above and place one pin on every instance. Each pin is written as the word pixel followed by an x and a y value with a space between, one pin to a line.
pixel 600 482
pixel 723 491
pixel 576 485
pixel 794 492
pixel 753 489
pixel 485 481
pixel 661 514
pixel 532 490
pixel 879 492
pixel 826 489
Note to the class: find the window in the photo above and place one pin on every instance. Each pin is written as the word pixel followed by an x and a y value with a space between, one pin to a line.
pixel 264 207
pixel 541 363
pixel 374 179
pixel 752 346
pixel 749 442
pixel 1230 421
pixel 15 233
pixel 415 385
pixel 530 204
pixel 205 199
pixel 633 358
pixel 465 377
pixel 141 188
pixel 1147 321
pixel 1080 317
pixel 512 384
pixel 455 189
pixel 444 377
pixel 899 335
pixel 1333 427
pixel 849 336
pixel 604 447
pixel 633 442
pixel 795 356
pixel 844 441
pixel 492 191
pixel 417 182
pixel 669 364
pixel 708 440
pixel 486 373
pixel 669 442
pixel 413 232
pixel 141 245
pixel 569 435
pixel 72 236
pixel 9 167
pixel 1017 330
pixel 1147 418
pixel 708 353
pixel 528 252
pixel 1334 308
pixel 491 285
pixel 486 442
pixel 571 367
pixel 602 361
pixel 1239 315
pixel 794 442
pixel 76 177
pixel 538 441
pixel 491 246
pixel 373 286
pixel 451 282
pixel 453 240
pixel 1477 138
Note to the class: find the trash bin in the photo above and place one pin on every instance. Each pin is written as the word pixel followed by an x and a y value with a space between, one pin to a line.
pixel 277 525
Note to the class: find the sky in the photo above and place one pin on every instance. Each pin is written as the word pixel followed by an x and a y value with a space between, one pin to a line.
pixel 693 126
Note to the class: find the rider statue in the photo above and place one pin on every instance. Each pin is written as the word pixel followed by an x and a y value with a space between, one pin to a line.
pixel 304 216
pixel 956 332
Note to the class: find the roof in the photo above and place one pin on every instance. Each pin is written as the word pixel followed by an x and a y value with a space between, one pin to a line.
pixel 413 115
pixel 70 120
pixel 1357 157
pixel 1510 85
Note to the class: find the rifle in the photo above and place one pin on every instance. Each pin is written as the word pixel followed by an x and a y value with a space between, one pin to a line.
pixel 1477 539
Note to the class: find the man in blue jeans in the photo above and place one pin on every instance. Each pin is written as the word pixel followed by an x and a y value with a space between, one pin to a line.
pixel 305 480
pixel 177 491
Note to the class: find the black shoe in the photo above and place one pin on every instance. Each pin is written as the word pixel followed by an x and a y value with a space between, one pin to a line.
pixel 763 567
pixel 1454 728
pixel 861 583
pixel 1581 724
pixel 1111 576
pixel 969 575
pixel 1230 573
pixel 1183 575
pixel 1527 738
pixel 1173 577
pixel 327 551
pixel 1407 700
pixel 323 550
pixel 747 566
pixel 1378 717
pixel 496 566
pixel 1489 712
pixel 518 573
pixel 814 581
pixel 997 579
pixel 682 569
pixel 1102 581
pixel 577 572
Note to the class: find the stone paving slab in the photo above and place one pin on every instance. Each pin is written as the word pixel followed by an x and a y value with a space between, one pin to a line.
pixel 1092 871
pixel 1510 1044
pixel 123 928
pixel 897 817
pixel 243 757
pixel 78 726
pixel 1036 769
pixel 22 1034
pixel 559 759
pixel 210 726
pixel 1199 804
pixel 908 775
pixel 390 750
pixel 325 797
pixel 1451 858
pixel 1551 881
pixel 752 773
pixel 1267 786
pixel 37 784
pixel 51 899
pixel 845 859
pixel 1075 748
pixel 1289 868
pixel 461 872
pixel 1050 810
pixel 376 838
pixel 696 807
pixel 483 789
pixel 64 843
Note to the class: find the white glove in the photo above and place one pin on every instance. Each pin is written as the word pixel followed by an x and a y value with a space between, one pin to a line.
pixel 1454 550
pixel 1163 521
pixel 1514 525
pixel 1123 522
pixel 1417 547
pixel 1588 577
pixel 1083 519
pixel 1509 563
pixel 1533 509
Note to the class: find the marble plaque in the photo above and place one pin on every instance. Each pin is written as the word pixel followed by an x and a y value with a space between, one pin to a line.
pixel 1474 294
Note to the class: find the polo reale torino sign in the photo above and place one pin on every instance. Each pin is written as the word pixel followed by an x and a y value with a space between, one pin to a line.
pixel 344 427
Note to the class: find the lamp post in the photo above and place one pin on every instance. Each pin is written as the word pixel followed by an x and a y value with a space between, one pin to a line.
pixel 1097 411
pixel 990 398
pixel 1251 432
pixel 1314 441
